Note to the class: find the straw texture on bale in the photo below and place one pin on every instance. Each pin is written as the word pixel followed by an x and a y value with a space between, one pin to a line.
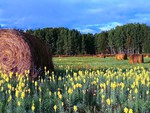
pixel 20 51
pixel 121 56
pixel 136 58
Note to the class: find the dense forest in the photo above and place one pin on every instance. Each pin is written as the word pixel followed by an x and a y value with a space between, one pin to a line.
pixel 129 38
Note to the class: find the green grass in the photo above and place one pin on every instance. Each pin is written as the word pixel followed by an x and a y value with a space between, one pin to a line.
pixel 97 62
pixel 91 84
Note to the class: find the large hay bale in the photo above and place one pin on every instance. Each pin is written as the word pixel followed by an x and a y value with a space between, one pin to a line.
pixel 121 56
pixel 131 59
pixel 136 58
pixel 20 51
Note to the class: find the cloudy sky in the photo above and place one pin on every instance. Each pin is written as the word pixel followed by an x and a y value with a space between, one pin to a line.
pixel 84 15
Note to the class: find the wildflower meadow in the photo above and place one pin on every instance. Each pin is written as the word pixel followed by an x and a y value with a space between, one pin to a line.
pixel 78 88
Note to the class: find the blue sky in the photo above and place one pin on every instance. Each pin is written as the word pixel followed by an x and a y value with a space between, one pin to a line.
pixel 84 15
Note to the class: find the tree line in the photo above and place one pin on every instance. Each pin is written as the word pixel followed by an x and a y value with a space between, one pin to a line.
pixel 129 38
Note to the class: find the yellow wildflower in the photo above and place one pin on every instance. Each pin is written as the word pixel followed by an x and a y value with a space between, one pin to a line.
pixel 103 98
pixel 44 67
pixel 75 108
pixel 13 89
pixel 132 86
pixel 79 85
pixel 48 72
pixel 94 83
pixel 10 74
pixel 147 92
pixel 108 101
pixel 50 93
pixel 10 98
pixel 84 81
pixel 70 91
pixel 97 80
pixel 136 90
pixel 40 100
pixel 17 93
pixel 29 90
pixel 22 95
pixel 143 82
pixel 76 78
pixel 117 77
pixel 33 107
pixel 7 79
pixel 60 78
pixel 62 104
pixel 102 90
pixel 60 96
pixel 74 87
pixel 107 82
pixel 58 93
pixel 122 85
pixel 55 108
pixel 130 111
pixel 22 84
pixel 74 74
pixel 113 85
pixel 125 110
pixel 35 84
pixel 19 88
pixel 18 103
pixel 9 86
pixel 40 89
pixel 9 91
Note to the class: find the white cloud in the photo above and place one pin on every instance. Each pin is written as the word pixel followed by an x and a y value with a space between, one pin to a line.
pixel 108 26
pixel 86 30
pixel 92 25
pixel 95 28
pixel 3 25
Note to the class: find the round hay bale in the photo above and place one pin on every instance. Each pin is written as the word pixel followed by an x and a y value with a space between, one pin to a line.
pixel 101 56
pixel 136 58
pixel 132 59
pixel 121 56
pixel 147 55
pixel 20 51
pixel 140 58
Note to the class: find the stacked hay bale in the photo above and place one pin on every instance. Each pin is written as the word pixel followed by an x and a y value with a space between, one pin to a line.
pixel 136 58
pixel 147 55
pixel 20 51
pixel 121 56
pixel 101 56
pixel 110 55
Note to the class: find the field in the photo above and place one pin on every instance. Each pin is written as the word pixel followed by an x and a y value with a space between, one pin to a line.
pixel 80 85
pixel 96 62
